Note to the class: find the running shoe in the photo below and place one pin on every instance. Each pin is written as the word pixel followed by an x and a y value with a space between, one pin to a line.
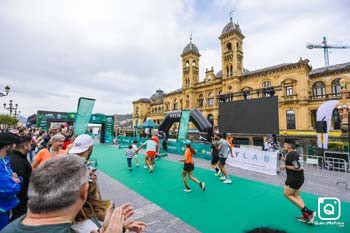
pixel 130 169
pixel 202 185
pixel 218 173
pixel 222 178
pixel 150 170
pixel 187 190
pixel 137 165
pixel 145 167
pixel 227 181
pixel 311 218
pixel 302 218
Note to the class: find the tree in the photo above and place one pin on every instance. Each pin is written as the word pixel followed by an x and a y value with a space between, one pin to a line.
pixel 6 121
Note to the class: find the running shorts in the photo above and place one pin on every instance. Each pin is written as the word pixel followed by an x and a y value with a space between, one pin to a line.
pixel 151 154
pixel 188 167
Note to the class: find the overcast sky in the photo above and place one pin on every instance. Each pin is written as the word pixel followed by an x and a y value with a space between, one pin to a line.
pixel 54 51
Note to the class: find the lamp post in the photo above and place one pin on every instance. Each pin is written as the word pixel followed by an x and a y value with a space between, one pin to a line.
pixel 7 90
pixel 12 108
pixel 344 109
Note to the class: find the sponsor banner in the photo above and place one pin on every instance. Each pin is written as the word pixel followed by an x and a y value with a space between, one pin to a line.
pixel 82 119
pixel 185 119
pixel 254 160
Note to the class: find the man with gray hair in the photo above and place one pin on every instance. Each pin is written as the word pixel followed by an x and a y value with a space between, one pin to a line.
pixel 57 191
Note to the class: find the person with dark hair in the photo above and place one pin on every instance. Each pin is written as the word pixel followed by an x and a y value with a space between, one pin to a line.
pixel 10 182
pixel 215 156
pixel 265 230
pixel 294 181
pixel 22 168
pixel 224 150
pixel 151 151
pixel 189 167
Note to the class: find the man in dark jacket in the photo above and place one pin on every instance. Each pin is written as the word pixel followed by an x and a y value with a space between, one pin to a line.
pixel 21 166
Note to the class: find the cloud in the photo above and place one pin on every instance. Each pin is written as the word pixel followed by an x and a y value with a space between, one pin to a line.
pixel 53 52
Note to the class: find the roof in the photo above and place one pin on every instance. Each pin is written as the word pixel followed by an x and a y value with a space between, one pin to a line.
pixel 330 69
pixel 144 100
pixel 190 47
pixel 219 74
pixel 231 27
pixel 246 72
pixel 174 92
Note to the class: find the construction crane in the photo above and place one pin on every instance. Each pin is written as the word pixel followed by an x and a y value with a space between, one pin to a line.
pixel 325 48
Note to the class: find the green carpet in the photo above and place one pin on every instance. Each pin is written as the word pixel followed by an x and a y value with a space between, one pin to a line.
pixel 243 205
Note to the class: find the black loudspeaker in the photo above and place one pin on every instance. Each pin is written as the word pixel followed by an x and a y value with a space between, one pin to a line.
pixel 321 127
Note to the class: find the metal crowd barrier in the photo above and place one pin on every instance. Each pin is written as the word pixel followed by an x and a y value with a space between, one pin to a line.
pixel 336 169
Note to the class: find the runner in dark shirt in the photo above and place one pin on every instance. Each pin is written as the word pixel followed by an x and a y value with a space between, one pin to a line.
pixel 215 156
pixel 294 181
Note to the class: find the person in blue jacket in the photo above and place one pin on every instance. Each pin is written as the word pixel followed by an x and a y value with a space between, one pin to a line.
pixel 10 183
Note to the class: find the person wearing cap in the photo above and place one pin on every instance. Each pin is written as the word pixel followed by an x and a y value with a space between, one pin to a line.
pixel 10 182
pixel 189 167
pixel 294 181
pixel 151 151
pixel 270 144
pixel 55 150
pixel 21 166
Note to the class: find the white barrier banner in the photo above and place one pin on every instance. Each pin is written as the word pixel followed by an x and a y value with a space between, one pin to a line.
pixel 254 160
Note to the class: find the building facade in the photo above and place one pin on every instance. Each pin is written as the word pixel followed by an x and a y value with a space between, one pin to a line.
pixel 300 89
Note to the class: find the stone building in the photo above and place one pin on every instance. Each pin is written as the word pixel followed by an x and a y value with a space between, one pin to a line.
pixel 300 88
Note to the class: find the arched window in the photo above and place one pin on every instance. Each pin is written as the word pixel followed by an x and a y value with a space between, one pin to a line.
pixel 319 89
pixel 200 101
pixel 210 99
pixel 229 88
pixel 187 63
pixel 228 71
pixel 246 92
pixel 266 84
pixel 194 63
pixel 187 101
pixel 237 46
pixel 229 46
pixel 221 92
pixel 231 70
pixel 335 87
pixel 176 105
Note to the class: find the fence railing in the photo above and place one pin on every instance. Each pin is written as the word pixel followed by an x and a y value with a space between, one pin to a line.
pixel 336 169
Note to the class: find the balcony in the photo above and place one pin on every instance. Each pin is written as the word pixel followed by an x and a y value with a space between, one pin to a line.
pixel 286 99
pixel 324 97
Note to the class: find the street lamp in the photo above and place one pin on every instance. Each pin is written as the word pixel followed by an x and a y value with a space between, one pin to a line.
pixel 7 90
pixel 11 108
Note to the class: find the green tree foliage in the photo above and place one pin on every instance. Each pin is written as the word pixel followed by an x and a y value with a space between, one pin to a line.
pixel 7 121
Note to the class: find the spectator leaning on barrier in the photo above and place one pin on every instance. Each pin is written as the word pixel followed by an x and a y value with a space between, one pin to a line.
pixel 270 144
pixel 10 183
pixel 21 166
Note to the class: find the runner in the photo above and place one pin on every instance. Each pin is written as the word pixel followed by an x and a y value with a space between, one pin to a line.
pixel 224 150
pixel 48 153
pixel 151 150
pixel 294 181
pixel 134 148
pixel 215 156
pixel 189 167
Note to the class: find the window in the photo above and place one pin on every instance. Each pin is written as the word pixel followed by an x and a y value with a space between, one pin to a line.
pixel 266 84
pixel 187 63
pixel 319 89
pixel 289 91
pixel 200 101
pixel 175 105
pixel 187 101
pixel 229 46
pixel 210 99
pixel 194 63
pixel 336 119
pixel 290 116
pixel 137 110
pixel 335 87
